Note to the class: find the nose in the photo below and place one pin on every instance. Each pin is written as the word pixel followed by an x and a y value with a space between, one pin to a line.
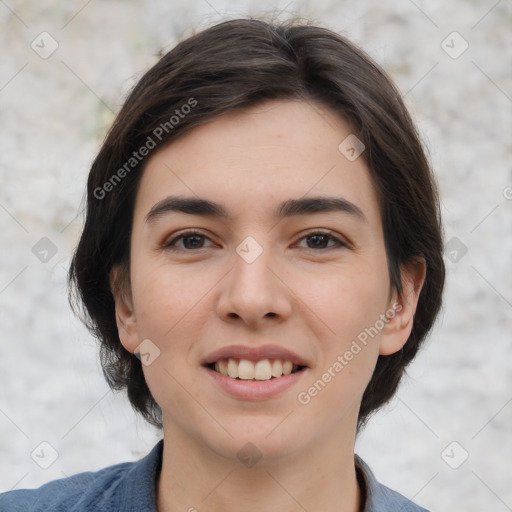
pixel 255 292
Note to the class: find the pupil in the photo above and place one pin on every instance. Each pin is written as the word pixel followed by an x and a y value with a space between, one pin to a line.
pixel 317 237
pixel 193 245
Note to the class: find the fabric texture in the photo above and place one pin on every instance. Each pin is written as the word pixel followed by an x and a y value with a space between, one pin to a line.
pixel 131 487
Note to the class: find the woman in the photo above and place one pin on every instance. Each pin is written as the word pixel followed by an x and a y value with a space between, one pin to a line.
pixel 261 259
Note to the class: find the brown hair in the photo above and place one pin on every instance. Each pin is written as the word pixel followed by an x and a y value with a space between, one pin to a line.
pixel 227 67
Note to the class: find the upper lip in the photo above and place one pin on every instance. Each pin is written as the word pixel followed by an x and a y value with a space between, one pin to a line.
pixel 254 354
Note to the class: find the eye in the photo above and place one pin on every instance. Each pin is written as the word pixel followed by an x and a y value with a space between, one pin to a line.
pixel 195 240
pixel 191 240
pixel 319 239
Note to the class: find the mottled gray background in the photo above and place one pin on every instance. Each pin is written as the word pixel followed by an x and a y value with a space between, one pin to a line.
pixel 54 113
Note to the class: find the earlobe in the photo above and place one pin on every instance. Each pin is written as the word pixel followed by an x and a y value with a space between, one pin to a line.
pixel 125 315
pixel 402 308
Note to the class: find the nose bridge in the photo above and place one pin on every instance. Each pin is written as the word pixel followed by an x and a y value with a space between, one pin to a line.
pixel 253 289
pixel 251 273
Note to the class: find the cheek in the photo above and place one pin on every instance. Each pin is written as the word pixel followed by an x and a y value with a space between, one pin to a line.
pixel 170 307
pixel 165 298
pixel 346 301
pixel 348 306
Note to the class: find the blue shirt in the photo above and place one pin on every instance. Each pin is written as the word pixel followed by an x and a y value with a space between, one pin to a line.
pixel 131 487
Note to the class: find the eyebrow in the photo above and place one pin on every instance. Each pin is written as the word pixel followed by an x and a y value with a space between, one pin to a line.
pixel 288 208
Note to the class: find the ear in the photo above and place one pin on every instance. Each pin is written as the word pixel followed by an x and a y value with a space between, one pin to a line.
pixel 125 315
pixel 402 307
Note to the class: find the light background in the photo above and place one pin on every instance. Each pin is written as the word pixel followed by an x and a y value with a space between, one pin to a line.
pixel 54 113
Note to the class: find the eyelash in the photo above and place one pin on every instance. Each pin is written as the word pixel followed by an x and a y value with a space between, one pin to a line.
pixel 171 244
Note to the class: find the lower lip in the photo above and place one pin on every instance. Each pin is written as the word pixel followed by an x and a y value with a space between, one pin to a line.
pixel 255 389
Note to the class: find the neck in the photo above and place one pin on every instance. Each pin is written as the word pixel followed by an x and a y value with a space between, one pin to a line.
pixel 194 478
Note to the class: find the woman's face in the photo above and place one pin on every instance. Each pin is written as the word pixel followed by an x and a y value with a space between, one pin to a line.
pixel 287 270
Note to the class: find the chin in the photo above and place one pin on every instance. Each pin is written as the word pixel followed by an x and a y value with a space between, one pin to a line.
pixel 258 441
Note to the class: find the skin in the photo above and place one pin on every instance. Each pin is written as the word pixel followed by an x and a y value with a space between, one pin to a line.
pixel 190 301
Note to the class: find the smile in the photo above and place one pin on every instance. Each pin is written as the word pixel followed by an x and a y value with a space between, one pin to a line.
pixel 264 369
pixel 255 373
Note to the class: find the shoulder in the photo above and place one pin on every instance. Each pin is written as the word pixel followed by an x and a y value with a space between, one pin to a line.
pixel 380 498
pixel 69 494
pixel 111 488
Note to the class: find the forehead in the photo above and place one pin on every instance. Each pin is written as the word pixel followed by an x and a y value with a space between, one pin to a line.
pixel 265 154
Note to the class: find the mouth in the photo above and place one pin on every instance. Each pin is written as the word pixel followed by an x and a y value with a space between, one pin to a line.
pixel 255 373
pixel 263 363
pixel 261 370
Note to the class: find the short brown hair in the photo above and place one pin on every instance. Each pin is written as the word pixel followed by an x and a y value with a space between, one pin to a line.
pixel 228 67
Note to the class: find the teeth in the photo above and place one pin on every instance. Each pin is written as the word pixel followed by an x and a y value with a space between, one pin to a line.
pixel 248 370
pixel 287 367
pixel 232 368
pixel 263 370
pixel 277 368
pixel 222 366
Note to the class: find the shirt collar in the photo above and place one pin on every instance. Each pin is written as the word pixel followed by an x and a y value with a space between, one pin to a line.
pixel 140 484
pixel 374 495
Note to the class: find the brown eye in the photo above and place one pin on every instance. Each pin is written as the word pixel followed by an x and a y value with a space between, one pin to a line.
pixel 190 240
pixel 319 240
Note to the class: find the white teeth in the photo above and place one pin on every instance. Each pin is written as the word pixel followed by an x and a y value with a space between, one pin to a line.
pixel 277 368
pixel 287 367
pixel 262 370
pixel 248 370
pixel 222 366
pixel 232 368
pixel 245 369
